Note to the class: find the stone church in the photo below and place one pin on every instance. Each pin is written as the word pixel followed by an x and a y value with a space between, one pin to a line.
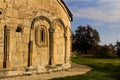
pixel 35 36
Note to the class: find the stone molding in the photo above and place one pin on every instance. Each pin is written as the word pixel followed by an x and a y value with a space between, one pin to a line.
pixel 58 20
pixel 39 18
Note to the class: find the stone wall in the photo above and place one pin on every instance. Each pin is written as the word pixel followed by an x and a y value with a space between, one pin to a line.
pixel 23 17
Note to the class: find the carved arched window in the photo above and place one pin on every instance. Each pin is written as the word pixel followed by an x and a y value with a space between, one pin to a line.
pixel 41 36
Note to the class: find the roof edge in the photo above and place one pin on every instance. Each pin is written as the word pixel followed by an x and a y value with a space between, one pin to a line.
pixel 69 12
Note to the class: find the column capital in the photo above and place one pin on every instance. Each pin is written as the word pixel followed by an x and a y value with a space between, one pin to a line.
pixel 51 30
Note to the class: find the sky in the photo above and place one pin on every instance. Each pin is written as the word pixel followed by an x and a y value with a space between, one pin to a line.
pixel 102 15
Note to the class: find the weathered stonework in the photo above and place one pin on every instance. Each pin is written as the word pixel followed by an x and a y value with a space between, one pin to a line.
pixel 35 36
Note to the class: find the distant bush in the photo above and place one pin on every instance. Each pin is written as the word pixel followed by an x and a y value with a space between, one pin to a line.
pixel 105 52
pixel 99 52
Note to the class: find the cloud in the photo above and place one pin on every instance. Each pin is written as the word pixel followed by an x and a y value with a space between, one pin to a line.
pixel 107 16
pixel 114 26
pixel 106 11
pixel 103 15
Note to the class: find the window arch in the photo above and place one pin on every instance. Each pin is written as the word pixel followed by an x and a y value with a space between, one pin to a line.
pixel 60 23
pixel 41 39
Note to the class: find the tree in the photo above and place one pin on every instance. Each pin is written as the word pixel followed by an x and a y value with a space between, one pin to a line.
pixel 118 48
pixel 85 38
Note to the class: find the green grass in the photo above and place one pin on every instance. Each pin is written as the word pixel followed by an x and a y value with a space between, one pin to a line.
pixel 102 69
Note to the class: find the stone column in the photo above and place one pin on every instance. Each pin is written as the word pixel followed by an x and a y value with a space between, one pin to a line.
pixel 65 50
pixel 30 53
pixel 51 46
pixel 66 47
pixel 6 62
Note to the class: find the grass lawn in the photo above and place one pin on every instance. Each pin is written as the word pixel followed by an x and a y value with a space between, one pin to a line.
pixel 102 69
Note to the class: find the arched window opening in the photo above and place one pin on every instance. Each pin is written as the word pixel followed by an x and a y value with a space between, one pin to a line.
pixel 41 35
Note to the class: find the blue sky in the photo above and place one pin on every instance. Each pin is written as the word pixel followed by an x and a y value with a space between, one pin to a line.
pixel 102 15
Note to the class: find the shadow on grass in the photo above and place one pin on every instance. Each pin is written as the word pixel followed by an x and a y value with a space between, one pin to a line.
pixel 98 73
pixel 101 70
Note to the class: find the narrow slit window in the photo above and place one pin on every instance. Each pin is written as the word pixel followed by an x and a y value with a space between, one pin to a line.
pixel 42 35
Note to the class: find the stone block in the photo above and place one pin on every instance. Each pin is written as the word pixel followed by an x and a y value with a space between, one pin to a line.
pixel 42 56
pixel 29 16
pixel 67 65
pixel 21 21
pixel 7 1
pixel 20 47
pixel 25 58
pixel 36 3
pixel 52 70
pixel 1 64
pixel 19 38
pixel 1 0
pixel 27 22
pixel 41 69
pixel 2 26
pixel 17 59
pixel 22 14
pixel 25 48
pixel 29 11
pixel 20 1
pixel 12 21
pixel 59 68
pixel 26 31
pixel 1 40
pixel 1 56
pixel 2 5
pixel 8 73
pixel 1 34
pixel 28 72
pixel 19 6
pixel 12 33
pixel 9 5
pixel 12 13
pixel 3 21
pixel 26 38
pixel 1 45
pixel 13 45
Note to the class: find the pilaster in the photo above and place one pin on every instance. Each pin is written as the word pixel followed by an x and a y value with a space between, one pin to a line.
pixel 6 62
